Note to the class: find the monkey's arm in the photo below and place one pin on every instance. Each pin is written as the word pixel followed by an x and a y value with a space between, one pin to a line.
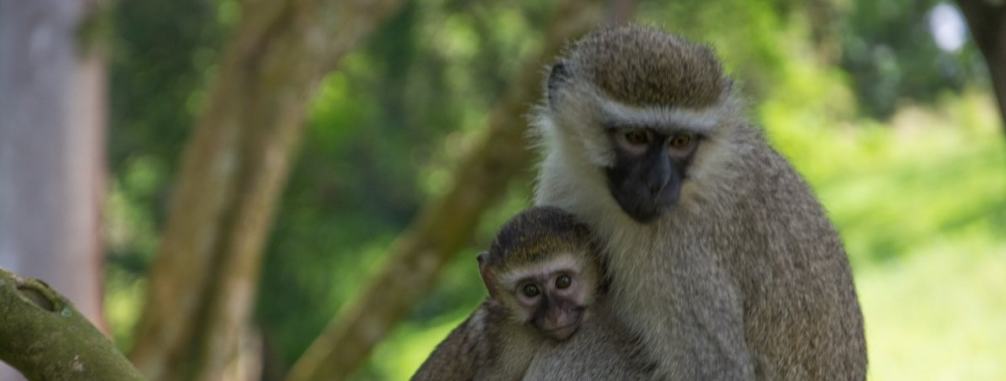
pixel 457 358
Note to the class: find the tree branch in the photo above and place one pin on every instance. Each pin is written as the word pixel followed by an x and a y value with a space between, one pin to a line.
pixel 46 338
pixel 446 222
pixel 204 278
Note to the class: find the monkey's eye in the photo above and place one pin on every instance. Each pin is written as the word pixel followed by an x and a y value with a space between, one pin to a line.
pixel 530 290
pixel 634 140
pixel 681 144
pixel 637 137
pixel 563 281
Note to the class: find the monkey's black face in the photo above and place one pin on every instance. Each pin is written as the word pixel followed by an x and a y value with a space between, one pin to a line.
pixel 650 168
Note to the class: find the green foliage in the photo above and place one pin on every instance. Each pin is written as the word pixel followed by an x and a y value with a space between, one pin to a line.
pixel 937 314
pixel 887 50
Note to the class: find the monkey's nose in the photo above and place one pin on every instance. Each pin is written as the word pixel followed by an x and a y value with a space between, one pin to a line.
pixel 658 177
pixel 655 187
pixel 656 184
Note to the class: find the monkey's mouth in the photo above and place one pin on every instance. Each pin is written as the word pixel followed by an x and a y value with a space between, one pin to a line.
pixel 640 206
pixel 641 210
pixel 564 332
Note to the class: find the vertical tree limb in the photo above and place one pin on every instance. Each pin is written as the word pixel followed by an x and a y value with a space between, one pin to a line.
pixel 987 22
pixel 203 281
pixel 446 222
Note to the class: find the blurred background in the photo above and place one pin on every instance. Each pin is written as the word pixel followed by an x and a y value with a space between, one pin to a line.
pixel 224 184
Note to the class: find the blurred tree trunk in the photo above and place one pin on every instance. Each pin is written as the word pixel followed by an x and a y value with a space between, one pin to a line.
pixel 52 120
pixel 204 278
pixel 987 22
pixel 446 222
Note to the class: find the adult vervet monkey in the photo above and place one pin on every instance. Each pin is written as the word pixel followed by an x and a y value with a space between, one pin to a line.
pixel 721 263
pixel 720 258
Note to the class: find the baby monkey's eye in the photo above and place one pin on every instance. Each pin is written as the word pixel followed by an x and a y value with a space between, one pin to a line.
pixel 563 281
pixel 530 290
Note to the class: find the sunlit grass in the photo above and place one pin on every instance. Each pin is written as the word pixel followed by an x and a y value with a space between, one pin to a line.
pixel 939 314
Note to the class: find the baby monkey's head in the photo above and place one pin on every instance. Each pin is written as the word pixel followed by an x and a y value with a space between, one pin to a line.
pixel 543 270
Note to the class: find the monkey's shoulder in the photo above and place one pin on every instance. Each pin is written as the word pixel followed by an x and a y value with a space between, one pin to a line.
pixel 461 353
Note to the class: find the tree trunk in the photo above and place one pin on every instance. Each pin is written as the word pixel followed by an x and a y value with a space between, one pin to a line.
pixel 987 22
pixel 46 338
pixel 203 281
pixel 52 120
pixel 446 222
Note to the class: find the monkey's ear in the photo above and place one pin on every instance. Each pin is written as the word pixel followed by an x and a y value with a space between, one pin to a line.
pixel 481 258
pixel 557 75
pixel 487 276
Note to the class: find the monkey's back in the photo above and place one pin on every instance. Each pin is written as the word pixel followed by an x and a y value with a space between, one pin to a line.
pixel 801 313
pixel 458 356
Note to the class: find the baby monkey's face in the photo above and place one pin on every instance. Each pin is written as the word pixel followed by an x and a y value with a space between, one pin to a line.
pixel 551 293
pixel 542 270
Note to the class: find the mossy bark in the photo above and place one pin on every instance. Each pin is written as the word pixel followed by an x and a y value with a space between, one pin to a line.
pixel 44 337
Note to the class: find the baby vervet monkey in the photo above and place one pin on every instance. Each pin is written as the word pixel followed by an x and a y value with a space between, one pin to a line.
pixel 542 274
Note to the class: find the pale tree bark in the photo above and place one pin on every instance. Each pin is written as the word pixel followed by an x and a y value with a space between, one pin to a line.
pixel 448 221
pixel 987 22
pixel 46 338
pixel 52 120
pixel 203 280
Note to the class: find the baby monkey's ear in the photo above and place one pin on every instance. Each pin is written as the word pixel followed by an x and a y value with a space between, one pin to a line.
pixel 486 273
